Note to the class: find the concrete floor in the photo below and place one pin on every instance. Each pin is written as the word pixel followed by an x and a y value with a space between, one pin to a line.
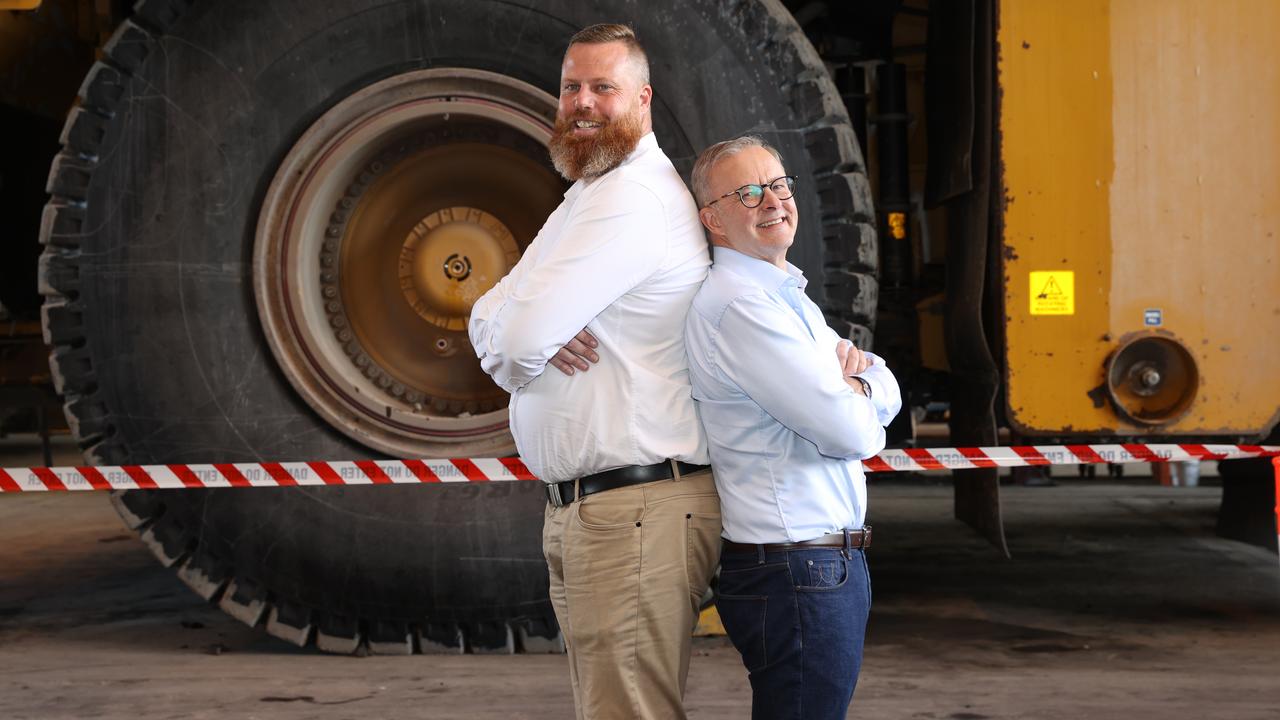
pixel 1119 602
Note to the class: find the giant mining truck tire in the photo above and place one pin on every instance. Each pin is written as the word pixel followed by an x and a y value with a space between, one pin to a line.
pixel 267 224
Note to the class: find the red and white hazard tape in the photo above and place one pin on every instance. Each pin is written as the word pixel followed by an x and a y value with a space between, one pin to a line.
pixel 284 474
pixel 1024 455
pixel 391 472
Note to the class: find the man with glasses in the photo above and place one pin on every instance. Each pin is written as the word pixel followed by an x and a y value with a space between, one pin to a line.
pixel 632 523
pixel 789 409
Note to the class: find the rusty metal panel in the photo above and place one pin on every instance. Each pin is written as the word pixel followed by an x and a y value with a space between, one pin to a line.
pixel 1141 166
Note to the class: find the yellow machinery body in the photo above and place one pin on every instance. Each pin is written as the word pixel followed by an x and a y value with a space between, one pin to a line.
pixel 1140 143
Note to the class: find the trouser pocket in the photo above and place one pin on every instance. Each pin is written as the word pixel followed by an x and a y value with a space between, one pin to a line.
pixel 744 618
pixel 749 598
pixel 702 552
pixel 820 569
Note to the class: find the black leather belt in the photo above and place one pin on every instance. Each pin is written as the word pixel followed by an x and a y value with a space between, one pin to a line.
pixel 562 493
pixel 849 539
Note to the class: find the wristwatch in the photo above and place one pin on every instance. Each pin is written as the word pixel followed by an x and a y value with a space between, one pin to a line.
pixel 866 386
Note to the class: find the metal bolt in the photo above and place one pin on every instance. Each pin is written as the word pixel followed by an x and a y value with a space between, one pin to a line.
pixel 1150 377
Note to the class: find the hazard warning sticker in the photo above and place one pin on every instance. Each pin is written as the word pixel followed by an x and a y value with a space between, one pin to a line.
pixel 1053 292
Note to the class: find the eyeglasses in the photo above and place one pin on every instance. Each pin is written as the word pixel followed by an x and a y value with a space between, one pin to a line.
pixel 752 195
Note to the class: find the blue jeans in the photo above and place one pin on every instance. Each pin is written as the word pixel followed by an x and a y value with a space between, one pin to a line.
pixel 798 620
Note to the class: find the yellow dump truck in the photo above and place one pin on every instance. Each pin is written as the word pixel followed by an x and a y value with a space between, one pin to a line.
pixel 259 226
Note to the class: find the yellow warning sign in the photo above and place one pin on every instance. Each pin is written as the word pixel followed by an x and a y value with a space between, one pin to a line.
pixel 1053 292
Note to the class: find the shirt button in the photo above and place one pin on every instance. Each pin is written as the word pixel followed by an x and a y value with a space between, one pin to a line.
pixel 810 562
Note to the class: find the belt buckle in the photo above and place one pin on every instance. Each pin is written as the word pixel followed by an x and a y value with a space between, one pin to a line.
pixel 553 495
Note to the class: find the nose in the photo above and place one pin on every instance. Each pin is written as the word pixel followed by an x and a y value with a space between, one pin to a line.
pixel 583 101
pixel 769 199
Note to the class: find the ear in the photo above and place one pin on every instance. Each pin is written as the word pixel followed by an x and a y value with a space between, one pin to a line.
pixel 646 97
pixel 711 221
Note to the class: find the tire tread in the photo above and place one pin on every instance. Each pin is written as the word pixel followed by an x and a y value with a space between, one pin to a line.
pixel 850 255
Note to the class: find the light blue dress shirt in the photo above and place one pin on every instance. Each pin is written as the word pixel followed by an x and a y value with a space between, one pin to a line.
pixel 786 433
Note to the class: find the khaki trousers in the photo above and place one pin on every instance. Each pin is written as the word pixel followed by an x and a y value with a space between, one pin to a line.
pixel 628 571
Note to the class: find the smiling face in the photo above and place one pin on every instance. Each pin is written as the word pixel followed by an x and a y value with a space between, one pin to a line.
pixel 764 231
pixel 604 109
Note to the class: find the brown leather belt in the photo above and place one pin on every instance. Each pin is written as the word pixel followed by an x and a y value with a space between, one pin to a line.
pixel 851 539
pixel 562 493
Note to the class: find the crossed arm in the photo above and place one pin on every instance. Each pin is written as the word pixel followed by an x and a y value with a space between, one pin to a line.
pixel 775 365
pixel 538 314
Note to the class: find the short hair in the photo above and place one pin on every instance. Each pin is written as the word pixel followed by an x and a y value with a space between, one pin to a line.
pixel 615 32
pixel 716 153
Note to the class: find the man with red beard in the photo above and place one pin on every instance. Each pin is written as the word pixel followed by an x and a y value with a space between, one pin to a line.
pixel 632 525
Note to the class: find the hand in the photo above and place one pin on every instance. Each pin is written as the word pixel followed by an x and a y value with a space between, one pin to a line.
pixel 852 360
pixel 577 354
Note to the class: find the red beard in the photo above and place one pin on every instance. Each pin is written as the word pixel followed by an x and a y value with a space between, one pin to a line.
pixel 589 157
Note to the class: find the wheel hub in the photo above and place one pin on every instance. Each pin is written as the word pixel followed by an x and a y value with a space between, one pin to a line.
pixel 438 277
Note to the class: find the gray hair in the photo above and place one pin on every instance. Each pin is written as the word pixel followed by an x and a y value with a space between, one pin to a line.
pixel 717 152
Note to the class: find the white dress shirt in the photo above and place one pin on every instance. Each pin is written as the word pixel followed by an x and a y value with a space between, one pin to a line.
pixel 786 432
pixel 622 256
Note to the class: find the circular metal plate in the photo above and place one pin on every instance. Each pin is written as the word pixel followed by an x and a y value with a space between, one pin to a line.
pixel 1152 380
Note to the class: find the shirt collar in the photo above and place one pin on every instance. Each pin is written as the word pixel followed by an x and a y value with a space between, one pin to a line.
pixel 644 145
pixel 762 273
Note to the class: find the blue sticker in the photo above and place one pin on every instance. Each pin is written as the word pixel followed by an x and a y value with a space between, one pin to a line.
pixel 1153 317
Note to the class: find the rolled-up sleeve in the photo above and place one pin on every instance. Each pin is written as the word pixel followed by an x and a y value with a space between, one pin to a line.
pixel 612 241
pixel 761 349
